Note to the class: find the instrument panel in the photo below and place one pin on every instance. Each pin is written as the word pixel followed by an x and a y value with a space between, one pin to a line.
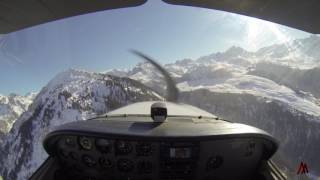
pixel 93 157
pixel 141 150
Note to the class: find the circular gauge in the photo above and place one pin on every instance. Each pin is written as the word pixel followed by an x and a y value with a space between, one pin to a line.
pixel 85 143
pixel 105 163
pixel 123 147
pixel 103 145
pixel 70 141
pixel 144 149
pixel 125 165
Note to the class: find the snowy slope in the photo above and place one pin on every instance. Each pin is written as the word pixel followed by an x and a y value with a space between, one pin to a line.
pixel 72 95
pixel 260 87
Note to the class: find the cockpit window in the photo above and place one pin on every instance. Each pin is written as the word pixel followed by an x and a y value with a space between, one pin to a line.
pixel 238 68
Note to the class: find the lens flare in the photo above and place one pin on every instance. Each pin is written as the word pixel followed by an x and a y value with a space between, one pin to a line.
pixel 261 33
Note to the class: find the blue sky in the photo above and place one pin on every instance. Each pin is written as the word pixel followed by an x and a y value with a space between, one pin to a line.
pixel 96 42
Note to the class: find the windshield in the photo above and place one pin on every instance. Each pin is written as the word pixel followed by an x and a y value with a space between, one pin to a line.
pixel 238 68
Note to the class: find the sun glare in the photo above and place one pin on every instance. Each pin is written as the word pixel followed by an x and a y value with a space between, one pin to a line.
pixel 261 33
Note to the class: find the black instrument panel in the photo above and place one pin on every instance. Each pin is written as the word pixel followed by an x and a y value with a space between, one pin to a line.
pixel 101 157
pixel 90 157
pixel 105 149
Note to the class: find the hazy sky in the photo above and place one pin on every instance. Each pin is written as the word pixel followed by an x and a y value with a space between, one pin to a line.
pixel 100 41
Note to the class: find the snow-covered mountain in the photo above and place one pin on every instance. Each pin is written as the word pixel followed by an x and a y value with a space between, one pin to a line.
pixel 11 107
pixel 273 88
pixel 263 73
pixel 71 96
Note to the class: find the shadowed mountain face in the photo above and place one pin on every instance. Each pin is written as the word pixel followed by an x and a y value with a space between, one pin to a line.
pixel 70 96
